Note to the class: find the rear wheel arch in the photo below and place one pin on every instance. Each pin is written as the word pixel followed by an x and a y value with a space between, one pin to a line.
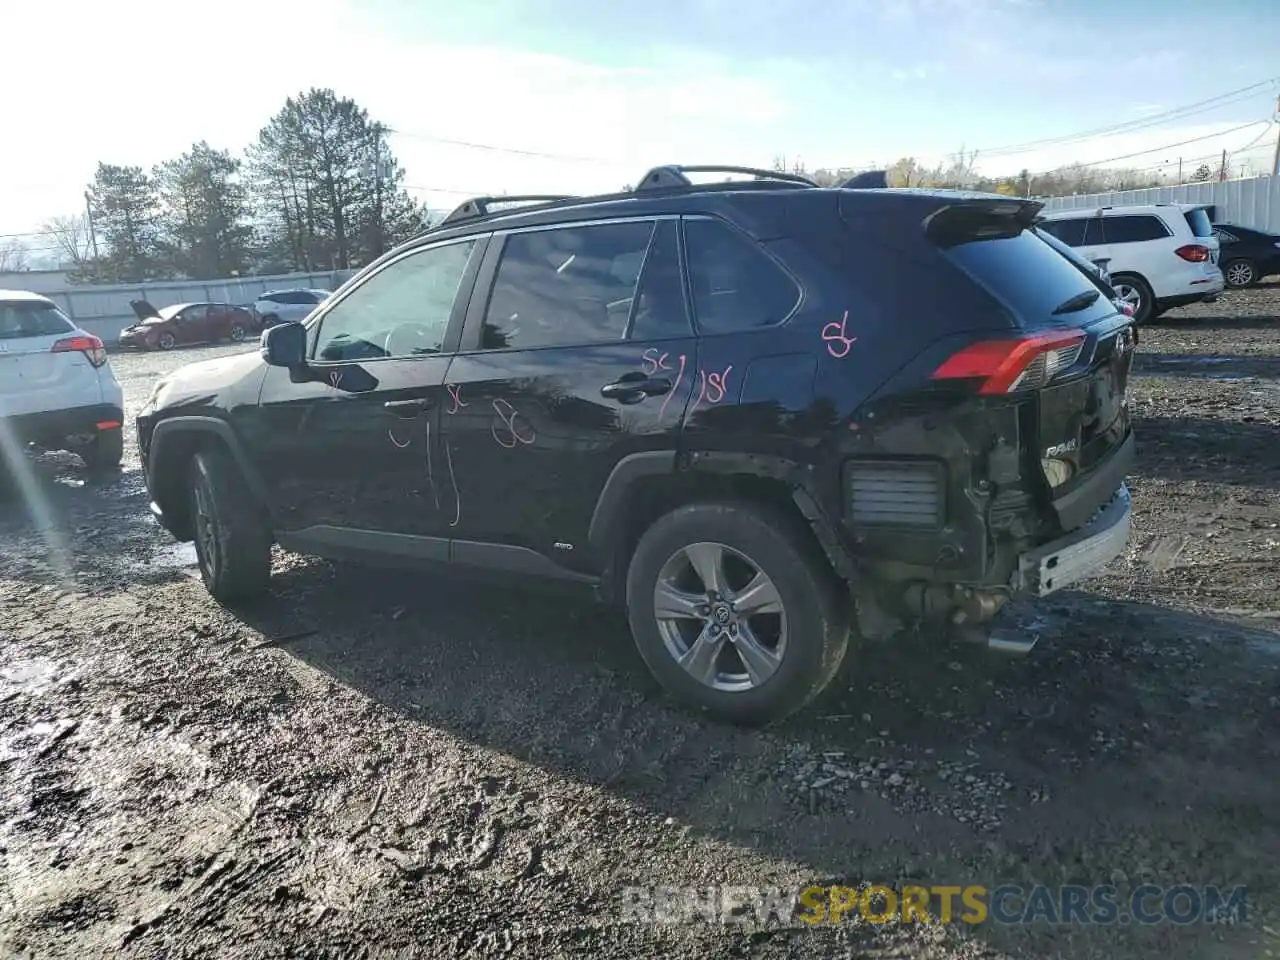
pixel 641 492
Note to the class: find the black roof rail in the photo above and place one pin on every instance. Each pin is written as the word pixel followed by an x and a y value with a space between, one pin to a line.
pixel 867 180
pixel 478 207
pixel 674 176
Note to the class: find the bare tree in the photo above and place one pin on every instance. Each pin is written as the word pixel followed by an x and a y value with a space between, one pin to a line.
pixel 71 237
pixel 13 256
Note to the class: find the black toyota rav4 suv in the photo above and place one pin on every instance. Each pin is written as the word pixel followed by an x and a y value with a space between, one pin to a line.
pixel 751 411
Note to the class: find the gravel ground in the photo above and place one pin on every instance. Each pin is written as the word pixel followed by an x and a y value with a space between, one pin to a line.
pixel 371 764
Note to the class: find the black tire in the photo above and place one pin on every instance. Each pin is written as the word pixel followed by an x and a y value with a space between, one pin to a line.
pixel 237 333
pixel 1240 272
pixel 817 608
pixel 232 538
pixel 270 320
pixel 166 341
pixel 1146 300
pixel 104 452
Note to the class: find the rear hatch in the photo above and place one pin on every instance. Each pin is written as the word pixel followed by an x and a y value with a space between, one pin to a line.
pixel 34 377
pixel 1201 227
pixel 1072 360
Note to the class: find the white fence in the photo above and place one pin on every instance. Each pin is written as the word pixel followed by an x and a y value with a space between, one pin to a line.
pixel 103 309
pixel 1254 202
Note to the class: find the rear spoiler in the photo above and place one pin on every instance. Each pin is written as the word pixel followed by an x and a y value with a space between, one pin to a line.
pixel 981 216
pixel 870 180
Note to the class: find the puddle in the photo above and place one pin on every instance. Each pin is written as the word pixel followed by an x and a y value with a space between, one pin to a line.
pixel 27 675
pixel 1197 360
pixel 178 556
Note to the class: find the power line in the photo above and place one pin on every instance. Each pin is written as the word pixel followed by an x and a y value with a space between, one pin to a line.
pixel 1170 146
pixel 497 149
pixel 1229 98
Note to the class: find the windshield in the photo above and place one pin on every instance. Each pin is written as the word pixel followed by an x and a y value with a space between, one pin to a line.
pixel 31 319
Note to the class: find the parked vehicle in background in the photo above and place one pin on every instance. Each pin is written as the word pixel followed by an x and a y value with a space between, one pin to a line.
pixel 184 324
pixel 1247 255
pixel 278 306
pixel 1094 266
pixel 57 389
pixel 1162 255
pixel 730 407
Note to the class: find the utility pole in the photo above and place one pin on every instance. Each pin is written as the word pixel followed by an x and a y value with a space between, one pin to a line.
pixel 1222 170
pixel 1275 164
pixel 1179 171
pixel 93 236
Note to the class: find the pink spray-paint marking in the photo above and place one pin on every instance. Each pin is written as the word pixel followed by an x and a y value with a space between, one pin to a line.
pixel 509 418
pixel 662 410
pixel 711 388
pixel 457 494
pixel 456 402
pixel 837 338
pixel 431 473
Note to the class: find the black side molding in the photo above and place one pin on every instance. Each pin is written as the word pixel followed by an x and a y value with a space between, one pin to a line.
pixel 172 427
pixel 613 498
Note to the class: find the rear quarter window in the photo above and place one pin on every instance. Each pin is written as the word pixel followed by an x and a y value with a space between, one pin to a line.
pixel 1132 229
pixel 26 319
pixel 1031 279
pixel 736 285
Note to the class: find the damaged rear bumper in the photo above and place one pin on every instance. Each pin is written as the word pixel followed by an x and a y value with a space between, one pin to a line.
pixel 1079 554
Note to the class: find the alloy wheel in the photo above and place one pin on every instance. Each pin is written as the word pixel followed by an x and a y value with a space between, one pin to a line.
pixel 1131 295
pixel 206 530
pixel 720 617
pixel 1239 274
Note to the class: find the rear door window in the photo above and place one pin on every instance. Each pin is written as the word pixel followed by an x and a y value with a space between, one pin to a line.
pixel 1032 279
pixel 31 319
pixel 1070 232
pixel 1199 223
pixel 566 286
pixel 1132 229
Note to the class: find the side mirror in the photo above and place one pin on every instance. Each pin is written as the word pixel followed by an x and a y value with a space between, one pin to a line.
pixel 285 345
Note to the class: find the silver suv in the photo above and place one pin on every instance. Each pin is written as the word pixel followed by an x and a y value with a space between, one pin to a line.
pixel 278 306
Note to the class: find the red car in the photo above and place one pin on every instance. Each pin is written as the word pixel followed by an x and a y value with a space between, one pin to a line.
pixel 187 323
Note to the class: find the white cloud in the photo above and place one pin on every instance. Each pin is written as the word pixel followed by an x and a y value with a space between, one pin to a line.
pixel 140 86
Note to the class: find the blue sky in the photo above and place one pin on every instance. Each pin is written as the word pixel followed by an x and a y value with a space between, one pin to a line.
pixel 622 87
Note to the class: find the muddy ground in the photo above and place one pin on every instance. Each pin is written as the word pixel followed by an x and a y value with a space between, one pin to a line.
pixel 371 764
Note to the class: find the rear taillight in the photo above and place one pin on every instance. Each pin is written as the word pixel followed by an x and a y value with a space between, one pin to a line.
pixel 1125 308
pixel 1193 253
pixel 85 343
pixel 1005 366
